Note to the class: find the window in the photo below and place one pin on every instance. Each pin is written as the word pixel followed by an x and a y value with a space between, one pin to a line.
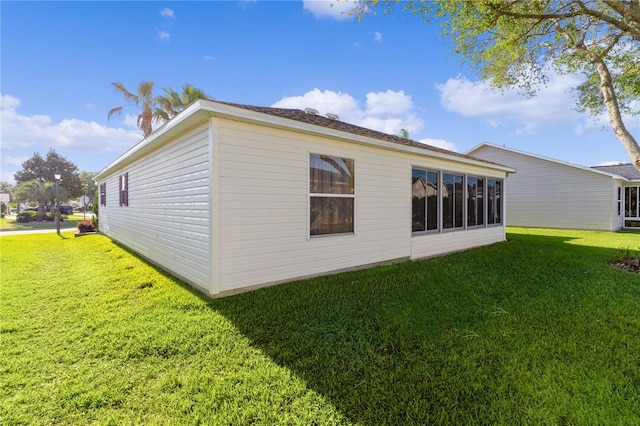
pixel 424 187
pixel 452 201
pixel 103 194
pixel 631 201
pixel 475 201
pixel 494 192
pixel 124 189
pixel 332 195
pixel 619 201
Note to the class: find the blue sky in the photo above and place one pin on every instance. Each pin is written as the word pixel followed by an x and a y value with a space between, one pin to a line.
pixel 58 60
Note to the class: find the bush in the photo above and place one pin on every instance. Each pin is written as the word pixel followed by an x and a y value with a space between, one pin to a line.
pixel 50 217
pixel 24 217
pixel 86 226
pixel 94 222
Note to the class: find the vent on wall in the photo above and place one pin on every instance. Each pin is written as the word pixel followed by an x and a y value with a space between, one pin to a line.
pixel 311 111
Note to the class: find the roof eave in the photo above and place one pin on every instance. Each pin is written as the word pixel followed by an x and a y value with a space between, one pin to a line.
pixel 202 110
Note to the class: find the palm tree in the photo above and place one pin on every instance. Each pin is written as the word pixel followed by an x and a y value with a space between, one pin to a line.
pixel 144 100
pixel 35 190
pixel 173 103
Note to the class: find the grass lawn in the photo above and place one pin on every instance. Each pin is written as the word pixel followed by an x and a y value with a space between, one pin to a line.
pixel 10 224
pixel 536 330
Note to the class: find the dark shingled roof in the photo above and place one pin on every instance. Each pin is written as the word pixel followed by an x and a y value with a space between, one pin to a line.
pixel 625 170
pixel 319 120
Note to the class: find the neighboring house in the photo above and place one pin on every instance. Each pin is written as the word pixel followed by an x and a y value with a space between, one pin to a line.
pixel 233 197
pixel 629 200
pixel 548 193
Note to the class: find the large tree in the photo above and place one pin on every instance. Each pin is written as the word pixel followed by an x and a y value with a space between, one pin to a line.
pixel 172 103
pixel 143 99
pixel 43 170
pixel 513 43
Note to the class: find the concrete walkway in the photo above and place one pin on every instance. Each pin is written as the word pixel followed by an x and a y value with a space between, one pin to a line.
pixel 36 231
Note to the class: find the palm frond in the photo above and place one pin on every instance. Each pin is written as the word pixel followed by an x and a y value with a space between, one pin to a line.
pixel 112 111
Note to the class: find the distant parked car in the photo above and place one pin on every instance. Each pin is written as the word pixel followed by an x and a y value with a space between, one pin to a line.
pixel 66 210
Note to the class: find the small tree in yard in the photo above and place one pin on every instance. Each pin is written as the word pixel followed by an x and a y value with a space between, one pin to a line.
pixel 35 190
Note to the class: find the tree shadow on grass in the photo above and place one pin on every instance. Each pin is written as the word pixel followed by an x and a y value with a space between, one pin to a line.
pixel 432 341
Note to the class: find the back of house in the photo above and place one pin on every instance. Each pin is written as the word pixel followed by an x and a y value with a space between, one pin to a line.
pixel 234 197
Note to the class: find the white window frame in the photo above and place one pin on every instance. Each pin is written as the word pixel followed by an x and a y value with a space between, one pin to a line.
pixel 329 195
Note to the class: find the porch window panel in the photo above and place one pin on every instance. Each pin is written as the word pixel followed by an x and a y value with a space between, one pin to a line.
pixel 494 189
pixel 480 201
pixel 472 200
pixel 631 201
pixel 419 200
pixel 432 200
pixel 447 200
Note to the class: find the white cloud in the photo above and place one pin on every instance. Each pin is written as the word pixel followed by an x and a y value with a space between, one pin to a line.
pixel 552 106
pixel 9 102
pixel 163 35
pixel 377 37
pixel 440 143
pixel 167 13
pixel 22 132
pixel 388 102
pixel 332 9
pixel 384 111
pixel 14 161
pixel 208 58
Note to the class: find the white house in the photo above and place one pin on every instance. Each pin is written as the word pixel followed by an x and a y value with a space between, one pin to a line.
pixel 548 193
pixel 233 197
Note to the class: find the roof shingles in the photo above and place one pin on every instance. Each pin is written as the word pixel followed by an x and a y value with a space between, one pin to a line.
pixel 625 170
pixel 319 120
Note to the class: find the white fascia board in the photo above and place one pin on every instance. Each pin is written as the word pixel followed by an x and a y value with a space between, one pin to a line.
pixel 552 160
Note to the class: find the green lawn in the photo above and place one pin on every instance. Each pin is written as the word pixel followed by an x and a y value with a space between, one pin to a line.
pixel 536 330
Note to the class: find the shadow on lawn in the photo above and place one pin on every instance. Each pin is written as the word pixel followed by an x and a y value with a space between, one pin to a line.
pixel 421 342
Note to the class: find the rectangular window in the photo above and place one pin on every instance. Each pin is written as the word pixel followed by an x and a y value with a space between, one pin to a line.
pixel 332 195
pixel 452 201
pixel 475 201
pixel 124 189
pixel 103 194
pixel 494 192
pixel 619 202
pixel 631 201
pixel 424 186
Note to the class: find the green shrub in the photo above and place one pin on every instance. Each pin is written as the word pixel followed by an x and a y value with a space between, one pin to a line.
pixel 50 217
pixel 24 217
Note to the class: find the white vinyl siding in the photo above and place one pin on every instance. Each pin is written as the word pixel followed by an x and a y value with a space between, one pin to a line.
pixel 264 236
pixel 549 194
pixel 168 215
